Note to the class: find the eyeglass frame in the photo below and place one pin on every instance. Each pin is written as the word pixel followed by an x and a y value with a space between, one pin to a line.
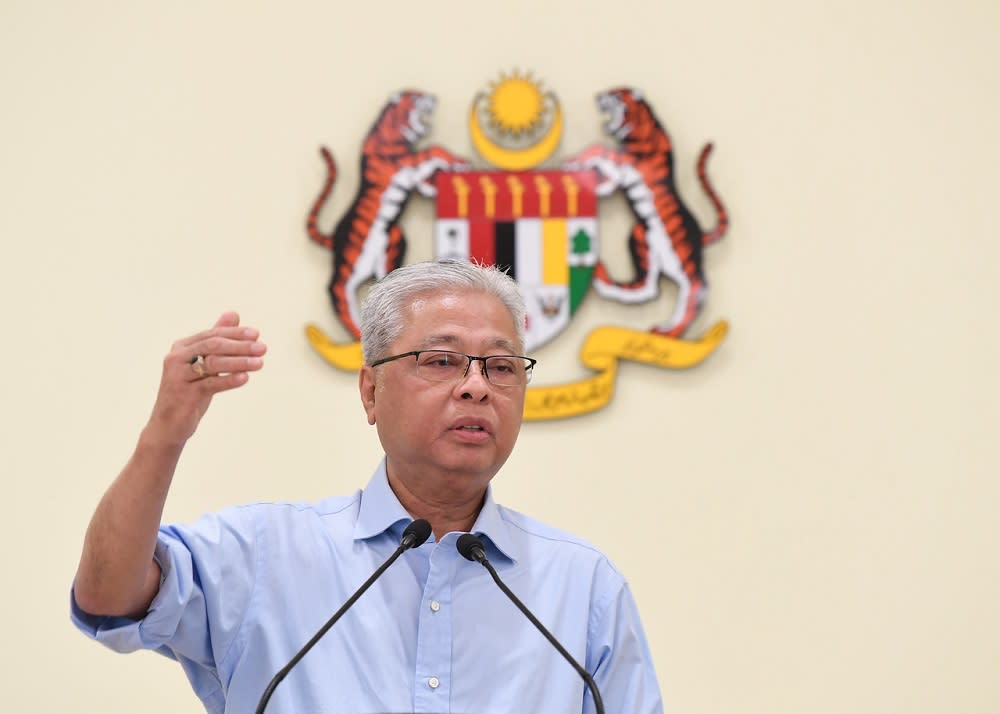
pixel 471 358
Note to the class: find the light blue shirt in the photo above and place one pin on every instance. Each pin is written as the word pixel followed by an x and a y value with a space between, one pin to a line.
pixel 244 589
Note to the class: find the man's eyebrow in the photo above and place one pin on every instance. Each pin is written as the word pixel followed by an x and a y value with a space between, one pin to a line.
pixel 437 340
pixel 505 344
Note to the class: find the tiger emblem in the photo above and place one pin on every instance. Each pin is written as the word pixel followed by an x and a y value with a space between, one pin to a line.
pixel 367 242
pixel 666 239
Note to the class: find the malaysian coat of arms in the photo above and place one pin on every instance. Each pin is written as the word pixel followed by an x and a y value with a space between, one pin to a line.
pixel 539 225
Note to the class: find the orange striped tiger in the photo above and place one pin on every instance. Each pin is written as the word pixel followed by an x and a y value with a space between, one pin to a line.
pixel 666 238
pixel 367 242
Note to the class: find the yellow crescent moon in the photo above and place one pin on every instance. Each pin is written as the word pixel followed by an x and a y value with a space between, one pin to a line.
pixel 511 159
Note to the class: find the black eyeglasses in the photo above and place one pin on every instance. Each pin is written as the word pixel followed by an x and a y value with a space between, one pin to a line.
pixel 448 366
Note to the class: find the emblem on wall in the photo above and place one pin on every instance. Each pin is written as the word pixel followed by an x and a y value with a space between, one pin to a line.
pixel 541 226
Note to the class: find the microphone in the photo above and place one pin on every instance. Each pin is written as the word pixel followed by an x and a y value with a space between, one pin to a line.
pixel 413 537
pixel 471 548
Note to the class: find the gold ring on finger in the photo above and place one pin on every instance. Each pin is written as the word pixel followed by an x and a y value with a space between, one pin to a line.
pixel 198 366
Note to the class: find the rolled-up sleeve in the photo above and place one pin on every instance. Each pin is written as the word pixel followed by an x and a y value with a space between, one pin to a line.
pixel 208 570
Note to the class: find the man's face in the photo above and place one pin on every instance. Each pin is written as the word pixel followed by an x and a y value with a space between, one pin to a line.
pixel 452 435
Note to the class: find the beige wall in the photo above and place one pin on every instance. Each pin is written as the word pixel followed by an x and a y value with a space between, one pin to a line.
pixel 806 519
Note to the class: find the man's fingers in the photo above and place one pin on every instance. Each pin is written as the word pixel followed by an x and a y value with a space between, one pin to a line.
pixel 232 332
pixel 215 358
pixel 221 346
pixel 228 319
pixel 214 384
pixel 224 364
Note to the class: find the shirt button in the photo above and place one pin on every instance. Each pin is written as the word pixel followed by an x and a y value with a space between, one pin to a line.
pixel 433 682
pixel 435 606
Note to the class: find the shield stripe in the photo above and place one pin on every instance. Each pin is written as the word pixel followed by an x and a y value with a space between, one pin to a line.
pixel 506 247
pixel 451 239
pixel 528 233
pixel 556 250
pixel 482 246
pixel 582 234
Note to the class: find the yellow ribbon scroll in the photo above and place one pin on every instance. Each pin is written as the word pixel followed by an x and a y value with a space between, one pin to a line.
pixel 601 351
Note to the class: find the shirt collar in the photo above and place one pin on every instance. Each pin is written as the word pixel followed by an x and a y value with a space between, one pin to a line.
pixel 492 525
pixel 381 511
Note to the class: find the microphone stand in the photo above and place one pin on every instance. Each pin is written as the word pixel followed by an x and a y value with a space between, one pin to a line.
pixel 415 534
pixel 472 549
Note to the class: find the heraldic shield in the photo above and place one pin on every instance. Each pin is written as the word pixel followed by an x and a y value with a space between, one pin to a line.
pixel 538 226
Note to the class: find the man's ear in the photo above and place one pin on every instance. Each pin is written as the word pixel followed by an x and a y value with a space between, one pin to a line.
pixel 366 385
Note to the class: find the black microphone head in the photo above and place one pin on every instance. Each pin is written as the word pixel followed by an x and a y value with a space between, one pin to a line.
pixel 471 547
pixel 416 533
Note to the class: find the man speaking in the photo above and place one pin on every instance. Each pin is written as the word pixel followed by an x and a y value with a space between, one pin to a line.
pixel 242 595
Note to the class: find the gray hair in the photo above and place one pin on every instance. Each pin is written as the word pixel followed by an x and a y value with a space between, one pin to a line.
pixel 382 315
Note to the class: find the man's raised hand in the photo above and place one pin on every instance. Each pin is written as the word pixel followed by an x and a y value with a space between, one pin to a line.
pixel 199 367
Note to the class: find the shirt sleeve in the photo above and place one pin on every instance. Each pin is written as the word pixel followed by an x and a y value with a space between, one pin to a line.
pixel 620 660
pixel 208 570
